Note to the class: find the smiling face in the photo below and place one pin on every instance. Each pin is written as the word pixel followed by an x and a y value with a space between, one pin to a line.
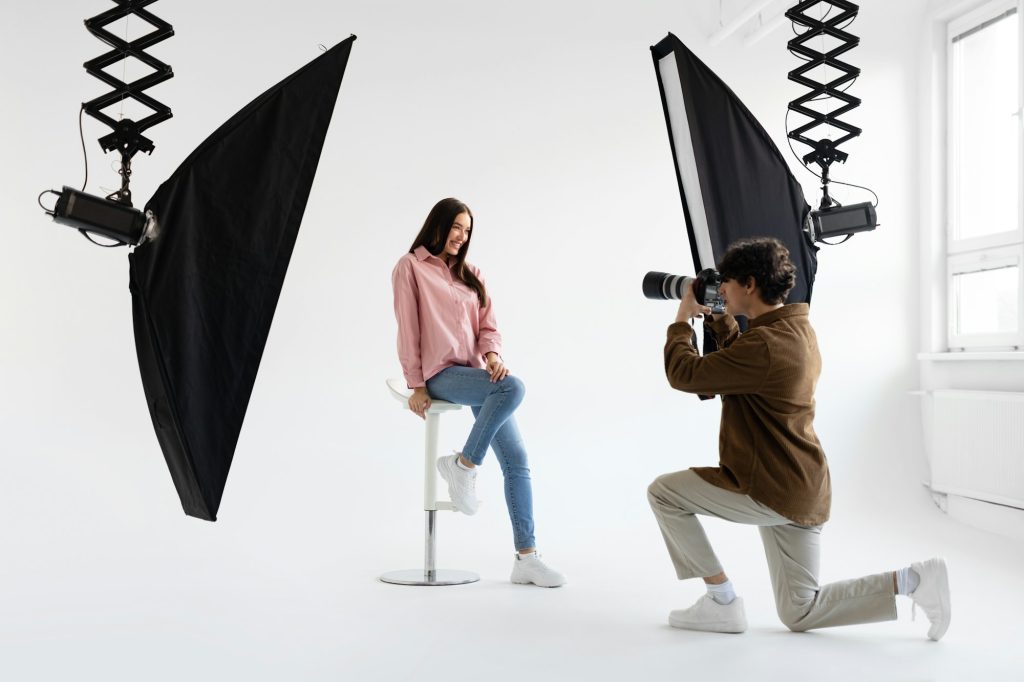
pixel 457 236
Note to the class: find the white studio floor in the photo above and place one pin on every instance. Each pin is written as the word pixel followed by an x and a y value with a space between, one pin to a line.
pixel 275 608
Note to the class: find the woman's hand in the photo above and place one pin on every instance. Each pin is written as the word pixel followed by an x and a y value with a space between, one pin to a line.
pixel 419 401
pixel 689 308
pixel 496 368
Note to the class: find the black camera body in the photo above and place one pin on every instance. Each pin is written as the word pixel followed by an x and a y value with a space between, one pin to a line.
pixel 662 286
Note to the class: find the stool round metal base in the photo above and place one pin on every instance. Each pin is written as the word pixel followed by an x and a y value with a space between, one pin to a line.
pixel 441 576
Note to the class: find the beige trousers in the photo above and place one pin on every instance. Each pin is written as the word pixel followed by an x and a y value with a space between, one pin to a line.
pixel 792 553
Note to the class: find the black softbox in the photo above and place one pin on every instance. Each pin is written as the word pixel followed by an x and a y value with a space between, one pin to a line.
pixel 205 290
pixel 733 181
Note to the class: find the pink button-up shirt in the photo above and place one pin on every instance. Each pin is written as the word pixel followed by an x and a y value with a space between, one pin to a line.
pixel 440 321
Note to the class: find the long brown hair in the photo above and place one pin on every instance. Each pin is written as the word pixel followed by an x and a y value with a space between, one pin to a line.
pixel 434 236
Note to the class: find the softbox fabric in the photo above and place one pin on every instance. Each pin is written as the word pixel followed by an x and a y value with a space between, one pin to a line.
pixel 205 290
pixel 733 181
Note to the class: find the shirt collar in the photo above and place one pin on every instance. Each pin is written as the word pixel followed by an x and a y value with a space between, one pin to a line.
pixel 423 253
pixel 790 310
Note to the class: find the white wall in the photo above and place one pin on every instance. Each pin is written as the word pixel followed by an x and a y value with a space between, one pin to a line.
pixel 546 119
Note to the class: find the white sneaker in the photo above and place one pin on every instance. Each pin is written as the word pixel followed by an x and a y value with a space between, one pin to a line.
pixel 932 595
pixel 528 568
pixel 709 616
pixel 461 483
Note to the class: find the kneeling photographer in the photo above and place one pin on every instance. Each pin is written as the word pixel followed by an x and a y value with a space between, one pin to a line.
pixel 772 471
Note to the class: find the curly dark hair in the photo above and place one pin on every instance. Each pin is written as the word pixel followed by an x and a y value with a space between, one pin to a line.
pixel 766 259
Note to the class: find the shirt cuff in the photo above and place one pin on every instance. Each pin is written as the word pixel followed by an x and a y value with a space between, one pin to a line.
pixel 489 348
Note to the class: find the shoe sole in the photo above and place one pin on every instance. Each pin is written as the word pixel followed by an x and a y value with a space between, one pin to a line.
pixel 943 578
pixel 530 582
pixel 720 627
pixel 442 468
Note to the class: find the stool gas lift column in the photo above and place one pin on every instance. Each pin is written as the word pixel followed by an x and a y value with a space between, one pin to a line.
pixel 428 575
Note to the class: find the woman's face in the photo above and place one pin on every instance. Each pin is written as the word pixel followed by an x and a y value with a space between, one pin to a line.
pixel 457 236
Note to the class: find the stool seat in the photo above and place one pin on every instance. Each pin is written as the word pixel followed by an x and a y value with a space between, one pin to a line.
pixel 402 393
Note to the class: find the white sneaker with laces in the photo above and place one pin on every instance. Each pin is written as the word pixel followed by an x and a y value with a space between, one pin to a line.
pixel 932 595
pixel 708 615
pixel 528 568
pixel 461 483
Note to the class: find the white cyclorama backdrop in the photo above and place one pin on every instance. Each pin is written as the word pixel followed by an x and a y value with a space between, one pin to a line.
pixel 545 118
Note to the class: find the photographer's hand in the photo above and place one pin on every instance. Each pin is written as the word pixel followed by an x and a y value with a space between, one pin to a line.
pixel 689 308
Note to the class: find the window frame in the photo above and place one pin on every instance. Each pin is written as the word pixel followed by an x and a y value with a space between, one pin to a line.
pixel 981 261
pixel 976 254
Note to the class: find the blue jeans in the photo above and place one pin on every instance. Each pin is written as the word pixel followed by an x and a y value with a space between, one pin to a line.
pixel 493 405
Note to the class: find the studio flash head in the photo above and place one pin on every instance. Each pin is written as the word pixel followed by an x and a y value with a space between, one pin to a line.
pixel 94 215
pixel 842 221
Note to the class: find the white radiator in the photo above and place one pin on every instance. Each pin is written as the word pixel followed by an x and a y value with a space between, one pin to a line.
pixel 977 445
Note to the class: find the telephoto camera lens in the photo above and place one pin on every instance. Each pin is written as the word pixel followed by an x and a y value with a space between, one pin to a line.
pixel 662 286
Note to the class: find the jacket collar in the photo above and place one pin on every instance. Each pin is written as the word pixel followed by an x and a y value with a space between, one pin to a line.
pixel 790 310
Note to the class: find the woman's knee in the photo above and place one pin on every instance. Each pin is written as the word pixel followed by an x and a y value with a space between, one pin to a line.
pixel 514 387
pixel 515 471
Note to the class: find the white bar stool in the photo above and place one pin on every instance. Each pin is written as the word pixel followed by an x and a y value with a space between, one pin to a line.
pixel 428 575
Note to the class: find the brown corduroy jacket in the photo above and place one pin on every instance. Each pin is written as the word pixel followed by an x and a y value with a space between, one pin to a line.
pixel 766 377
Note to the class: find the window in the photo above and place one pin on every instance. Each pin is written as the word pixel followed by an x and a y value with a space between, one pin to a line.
pixel 985 210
